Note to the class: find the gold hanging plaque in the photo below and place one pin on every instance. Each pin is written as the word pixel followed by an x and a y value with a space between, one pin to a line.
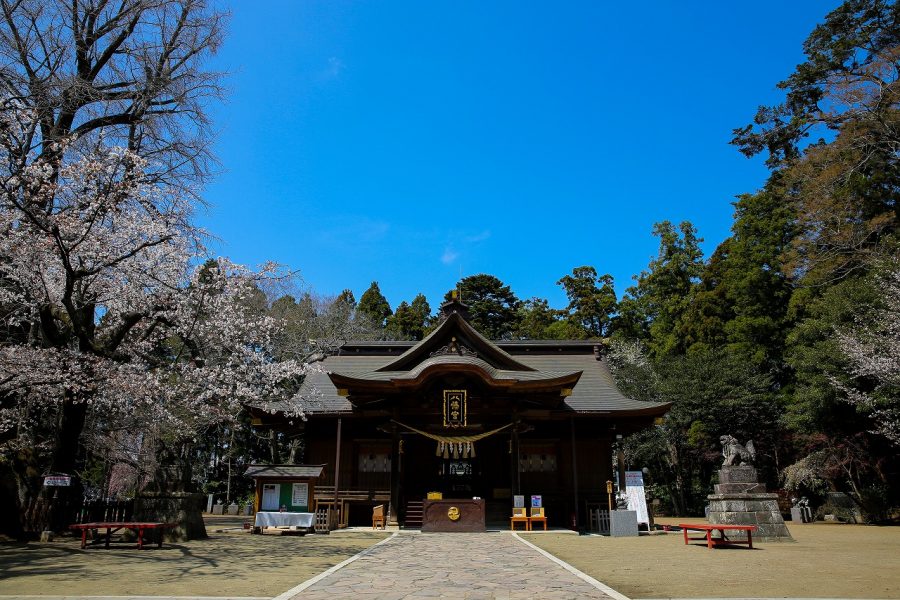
pixel 454 408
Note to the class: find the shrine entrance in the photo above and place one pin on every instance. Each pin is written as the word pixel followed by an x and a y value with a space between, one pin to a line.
pixel 484 475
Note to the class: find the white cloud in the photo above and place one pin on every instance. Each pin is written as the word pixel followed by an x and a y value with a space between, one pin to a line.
pixel 449 256
pixel 332 70
pixel 479 237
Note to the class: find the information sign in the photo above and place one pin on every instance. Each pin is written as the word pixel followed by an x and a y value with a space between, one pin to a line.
pixel 634 492
pixel 300 494
pixel 536 502
pixel 518 501
pixel 57 481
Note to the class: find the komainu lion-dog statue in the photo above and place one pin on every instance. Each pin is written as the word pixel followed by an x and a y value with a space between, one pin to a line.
pixel 735 453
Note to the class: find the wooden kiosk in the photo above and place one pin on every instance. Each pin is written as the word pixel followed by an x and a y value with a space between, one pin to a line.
pixel 284 488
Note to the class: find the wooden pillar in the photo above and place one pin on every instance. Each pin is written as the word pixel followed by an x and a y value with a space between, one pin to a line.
pixel 337 468
pixel 574 471
pixel 515 480
pixel 396 457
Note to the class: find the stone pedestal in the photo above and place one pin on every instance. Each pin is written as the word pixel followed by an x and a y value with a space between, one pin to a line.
pixel 183 508
pixel 623 523
pixel 741 500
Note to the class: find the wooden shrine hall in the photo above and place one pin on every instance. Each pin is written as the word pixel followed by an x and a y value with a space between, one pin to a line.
pixel 464 417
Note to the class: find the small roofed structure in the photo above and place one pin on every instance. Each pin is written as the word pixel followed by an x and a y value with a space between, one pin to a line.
pixel 286 488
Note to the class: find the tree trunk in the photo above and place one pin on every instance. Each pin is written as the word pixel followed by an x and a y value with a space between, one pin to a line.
pixel 61 500
pixel 68 435
pixel 274 455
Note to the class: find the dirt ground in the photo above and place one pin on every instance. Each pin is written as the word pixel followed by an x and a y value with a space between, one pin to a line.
pixel 227 564
pixel 827 561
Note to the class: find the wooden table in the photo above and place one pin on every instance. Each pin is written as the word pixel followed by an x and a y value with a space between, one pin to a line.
pixel 722 540
pixel 114 526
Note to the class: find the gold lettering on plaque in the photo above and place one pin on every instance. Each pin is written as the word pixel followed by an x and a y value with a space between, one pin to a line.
pixel 455 408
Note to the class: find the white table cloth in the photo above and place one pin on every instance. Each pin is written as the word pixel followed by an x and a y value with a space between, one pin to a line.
pixel 285 519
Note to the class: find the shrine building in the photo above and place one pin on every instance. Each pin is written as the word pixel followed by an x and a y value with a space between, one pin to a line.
pixel 466 417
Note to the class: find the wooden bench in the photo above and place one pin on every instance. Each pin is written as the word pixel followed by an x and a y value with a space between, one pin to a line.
pixel 114 526
pixel 722 540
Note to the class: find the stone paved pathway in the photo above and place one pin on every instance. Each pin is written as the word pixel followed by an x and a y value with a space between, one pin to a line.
pixel 462 566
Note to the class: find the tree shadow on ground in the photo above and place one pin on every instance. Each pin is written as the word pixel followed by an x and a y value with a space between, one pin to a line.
pixel 226 558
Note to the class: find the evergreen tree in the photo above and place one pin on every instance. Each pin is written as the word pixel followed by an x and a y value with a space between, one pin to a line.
pixel 534 319
pixel 654 309
pixel 492 305
pixel 374 306
pixel 590 307
pixel 742 299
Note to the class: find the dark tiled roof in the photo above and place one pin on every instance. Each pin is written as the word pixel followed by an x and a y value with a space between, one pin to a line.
pixel 474 361
pixel 595 391
pixel 284 471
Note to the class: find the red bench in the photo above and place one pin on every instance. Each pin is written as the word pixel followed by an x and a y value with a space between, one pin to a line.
pixel 722 540
pixel 114 526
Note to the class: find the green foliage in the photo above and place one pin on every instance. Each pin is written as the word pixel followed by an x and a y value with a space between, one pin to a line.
pixel 410 321
pixel 534 318
pixel 654 309
pixel 374 306
pixel 847 74
pixel 493 307
pixel 590 307
pixel 712 394
pixel 741 302
pixel 814 355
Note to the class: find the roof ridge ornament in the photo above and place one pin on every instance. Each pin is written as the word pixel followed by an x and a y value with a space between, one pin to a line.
pixel 454 305
pixel 454 347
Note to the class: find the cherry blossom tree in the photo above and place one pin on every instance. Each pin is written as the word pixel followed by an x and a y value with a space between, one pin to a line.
pixel 110 308
pixel 116 326
pixel 130 71
pixel 872 347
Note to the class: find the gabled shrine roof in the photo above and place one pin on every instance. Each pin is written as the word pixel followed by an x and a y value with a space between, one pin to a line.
pixel 595 392
pixel 571 371
pixel 284 471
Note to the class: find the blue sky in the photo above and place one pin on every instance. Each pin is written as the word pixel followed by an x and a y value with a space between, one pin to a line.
pixel 411 142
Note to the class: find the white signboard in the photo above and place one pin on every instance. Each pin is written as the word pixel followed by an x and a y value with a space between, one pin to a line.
pixel 300 494
pixel 519 501
pixel 637 500
pixel 57 481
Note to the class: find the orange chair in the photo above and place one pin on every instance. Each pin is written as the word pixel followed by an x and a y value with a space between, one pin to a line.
pixel 537 514
pixel 519 516
pixel 378 517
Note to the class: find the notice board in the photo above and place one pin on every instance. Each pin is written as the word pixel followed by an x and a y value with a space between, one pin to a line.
pixel 637 500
